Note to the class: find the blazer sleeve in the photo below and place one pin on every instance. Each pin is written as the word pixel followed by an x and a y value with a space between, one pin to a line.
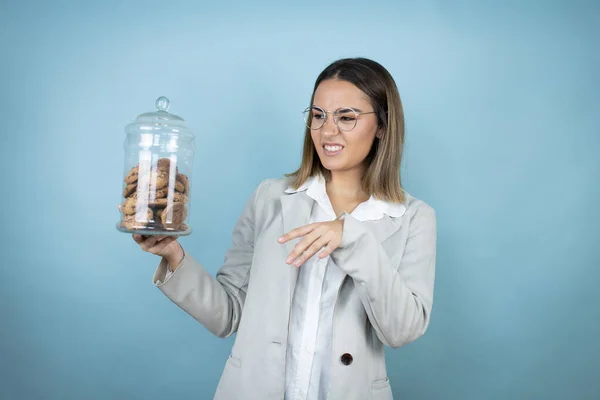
pixel 216 302
pixel 397 297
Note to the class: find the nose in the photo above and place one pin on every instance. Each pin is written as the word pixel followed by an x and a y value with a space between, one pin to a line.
pixel 329 128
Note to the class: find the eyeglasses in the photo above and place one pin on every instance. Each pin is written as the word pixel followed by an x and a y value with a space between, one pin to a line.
pixel 345 118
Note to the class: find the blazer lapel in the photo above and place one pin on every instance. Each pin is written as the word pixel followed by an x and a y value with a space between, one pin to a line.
pixel 296 209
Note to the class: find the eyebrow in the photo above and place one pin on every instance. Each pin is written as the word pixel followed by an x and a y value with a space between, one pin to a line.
pixel 354 108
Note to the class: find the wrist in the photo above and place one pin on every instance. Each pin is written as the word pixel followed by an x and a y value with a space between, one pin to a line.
pixel 175 257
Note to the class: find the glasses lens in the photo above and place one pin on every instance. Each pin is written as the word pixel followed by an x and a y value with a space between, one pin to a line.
pixel 346 119
pixel 314 117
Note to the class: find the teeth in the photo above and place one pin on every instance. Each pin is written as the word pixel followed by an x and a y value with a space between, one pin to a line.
pixel 333 148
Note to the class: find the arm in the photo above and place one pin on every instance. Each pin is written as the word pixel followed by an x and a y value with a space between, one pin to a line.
pixel 217 303
pixel 397 296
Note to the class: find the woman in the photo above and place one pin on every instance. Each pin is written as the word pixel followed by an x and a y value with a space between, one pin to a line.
pixel 328 264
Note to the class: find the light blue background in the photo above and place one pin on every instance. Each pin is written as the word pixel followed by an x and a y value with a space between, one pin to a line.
pixel 502 107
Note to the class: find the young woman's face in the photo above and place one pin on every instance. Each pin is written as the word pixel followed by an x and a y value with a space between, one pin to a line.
pixel 340 149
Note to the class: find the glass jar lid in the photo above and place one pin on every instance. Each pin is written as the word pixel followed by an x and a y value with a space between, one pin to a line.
pixel 160 120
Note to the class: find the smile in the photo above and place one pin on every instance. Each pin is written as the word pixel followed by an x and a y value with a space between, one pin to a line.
pixel 332 149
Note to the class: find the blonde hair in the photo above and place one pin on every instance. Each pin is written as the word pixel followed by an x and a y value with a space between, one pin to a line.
pixel 382 176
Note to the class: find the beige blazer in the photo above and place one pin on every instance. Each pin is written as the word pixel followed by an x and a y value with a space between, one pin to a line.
pixel 385 298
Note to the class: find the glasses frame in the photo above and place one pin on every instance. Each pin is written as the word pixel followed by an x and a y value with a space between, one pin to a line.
pixel 306 114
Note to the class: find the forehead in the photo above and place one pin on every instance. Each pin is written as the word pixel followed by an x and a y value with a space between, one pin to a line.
pixel 332 94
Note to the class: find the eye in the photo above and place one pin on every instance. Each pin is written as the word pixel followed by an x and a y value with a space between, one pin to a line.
pixel 346 115
pixel 317 115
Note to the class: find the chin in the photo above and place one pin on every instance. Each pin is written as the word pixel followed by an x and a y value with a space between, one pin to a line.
pixel 333 166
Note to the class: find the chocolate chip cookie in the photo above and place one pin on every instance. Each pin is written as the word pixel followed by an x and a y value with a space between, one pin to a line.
pixel 173 215
pixel 163 164
pixel 138 220
pixel 130 205
pixel 183 179
pixel 129 189
pixel 159 180
pixel 163 202
pixel 132 176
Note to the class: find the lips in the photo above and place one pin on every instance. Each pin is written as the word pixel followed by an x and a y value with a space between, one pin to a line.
pixel 332 149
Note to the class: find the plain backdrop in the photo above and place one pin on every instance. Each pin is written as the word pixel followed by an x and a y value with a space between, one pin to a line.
pixel 502 107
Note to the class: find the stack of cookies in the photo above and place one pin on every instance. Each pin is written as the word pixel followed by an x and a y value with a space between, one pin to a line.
pixel 151 203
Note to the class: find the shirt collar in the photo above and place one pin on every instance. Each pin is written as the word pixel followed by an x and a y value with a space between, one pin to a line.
pixel 372 209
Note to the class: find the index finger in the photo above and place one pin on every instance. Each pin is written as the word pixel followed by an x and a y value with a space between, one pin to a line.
pixel 303 230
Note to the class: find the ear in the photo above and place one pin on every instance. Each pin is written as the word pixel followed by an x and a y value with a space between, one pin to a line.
pixel 379 133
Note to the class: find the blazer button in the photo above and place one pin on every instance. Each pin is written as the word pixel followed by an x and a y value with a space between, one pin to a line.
pixel 346 359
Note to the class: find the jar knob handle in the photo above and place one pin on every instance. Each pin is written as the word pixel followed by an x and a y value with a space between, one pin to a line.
pixel 162 103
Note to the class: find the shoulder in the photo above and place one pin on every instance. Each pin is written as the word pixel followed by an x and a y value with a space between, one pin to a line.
pixel 417 210
pixel 272 188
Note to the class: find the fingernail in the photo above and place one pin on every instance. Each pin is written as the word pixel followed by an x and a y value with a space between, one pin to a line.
pixel 280 239
pixel 297 263
pixel 288 260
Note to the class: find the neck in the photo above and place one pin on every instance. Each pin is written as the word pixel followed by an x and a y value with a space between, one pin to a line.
pixel 346 184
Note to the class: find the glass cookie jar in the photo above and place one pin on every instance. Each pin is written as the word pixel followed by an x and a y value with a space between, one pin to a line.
pixel 159 153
